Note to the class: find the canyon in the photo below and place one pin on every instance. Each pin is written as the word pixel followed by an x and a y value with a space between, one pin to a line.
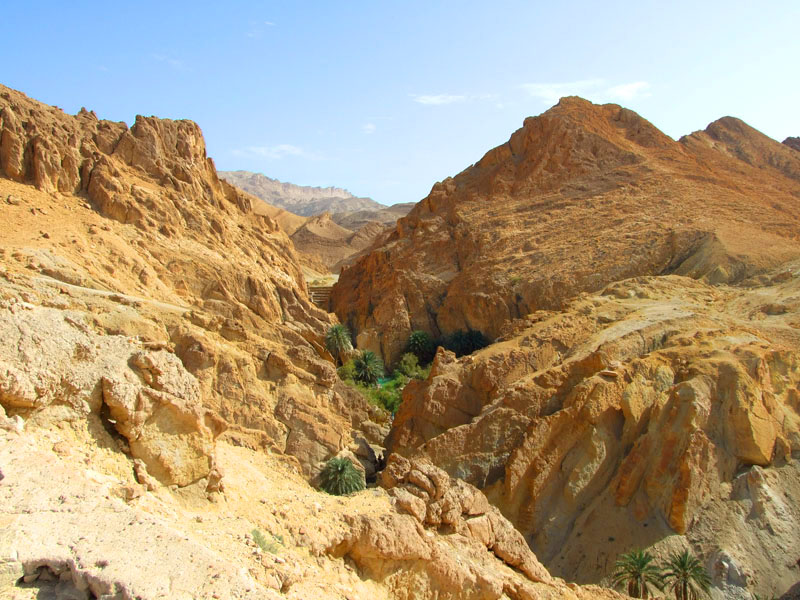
pixel 168 398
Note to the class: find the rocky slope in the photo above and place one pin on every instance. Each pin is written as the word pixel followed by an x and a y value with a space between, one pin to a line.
pixel 328 226
pixel 793 142
pixel 300 200
pixel 164 390
pixel 331 244
pixel 643 295
pixel 661 413
pixel 386 216
pixel 580 196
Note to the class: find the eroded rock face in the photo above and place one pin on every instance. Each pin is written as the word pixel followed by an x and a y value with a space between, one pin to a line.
pixel 660 408
pixel 793 142
pixel 579 197
pixel 56 368
pixel 131 230
pixel 435 543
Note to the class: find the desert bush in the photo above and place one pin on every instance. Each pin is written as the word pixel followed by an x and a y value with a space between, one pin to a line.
pixel 266 545
pixel 340 477
pixel 408 365
pixel 347 372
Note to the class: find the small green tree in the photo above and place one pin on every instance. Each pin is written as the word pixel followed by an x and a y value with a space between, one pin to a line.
pixel 421 345
pixel 368 367
pixel 408 365
pixel 337 341
pixel 686 576
pixel 347 372
pixel 339 477
pixel 636 572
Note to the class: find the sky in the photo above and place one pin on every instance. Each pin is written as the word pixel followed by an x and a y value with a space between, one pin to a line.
pixel 386 98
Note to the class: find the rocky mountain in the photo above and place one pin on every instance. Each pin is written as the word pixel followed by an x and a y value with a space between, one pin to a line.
pixel 165 397
pixel 579 197
pixel 642 295
pixel 337 228
pixel 386 216
pixel 793 142
pixel 658 413
pixel 331 244
pixel 301 200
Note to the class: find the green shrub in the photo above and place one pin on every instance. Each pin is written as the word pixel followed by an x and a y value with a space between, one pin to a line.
pixel 347 372
pixel 339 477
pixel 389 399
pixel 408 365
pixel 368 368
pixel 422 346
pixel 266 545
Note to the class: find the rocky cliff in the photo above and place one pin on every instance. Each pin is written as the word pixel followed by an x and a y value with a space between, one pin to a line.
pixel 386 216
pixel 793 142
pixel 134 232
pixel 580 196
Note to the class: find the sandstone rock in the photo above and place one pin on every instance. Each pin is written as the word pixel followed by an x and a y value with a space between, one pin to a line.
pixel 452 503
pixel 199 250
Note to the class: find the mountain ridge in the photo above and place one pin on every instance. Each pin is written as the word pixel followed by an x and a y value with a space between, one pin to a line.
pixel 301 200
pixel 577 167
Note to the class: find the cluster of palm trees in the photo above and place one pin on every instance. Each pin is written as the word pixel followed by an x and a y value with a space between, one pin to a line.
pixel 368 368
pixel 683 575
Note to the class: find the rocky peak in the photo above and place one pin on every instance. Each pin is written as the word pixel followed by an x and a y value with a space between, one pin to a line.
pixel 580 196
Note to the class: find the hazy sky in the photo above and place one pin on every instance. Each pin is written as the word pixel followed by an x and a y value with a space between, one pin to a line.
pixel 386 98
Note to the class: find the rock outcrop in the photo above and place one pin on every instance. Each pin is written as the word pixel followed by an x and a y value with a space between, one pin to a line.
pixel 579 197
pixel 165 397
pixel 387 216
pixel 793 142
pixel 93 531
pixel 659 413
pixel 332 244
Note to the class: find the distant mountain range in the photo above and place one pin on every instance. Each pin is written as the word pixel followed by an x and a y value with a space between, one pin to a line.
pixel 329 226
pixel 299 199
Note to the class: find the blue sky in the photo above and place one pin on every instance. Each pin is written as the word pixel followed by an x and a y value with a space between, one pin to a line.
pixel 386 98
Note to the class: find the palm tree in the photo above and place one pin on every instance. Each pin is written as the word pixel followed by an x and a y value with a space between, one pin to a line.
pixel 337 341
pixel 635 571
pixel 686 576
pixel 339 477
pixel 368 367
pixel 421 344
